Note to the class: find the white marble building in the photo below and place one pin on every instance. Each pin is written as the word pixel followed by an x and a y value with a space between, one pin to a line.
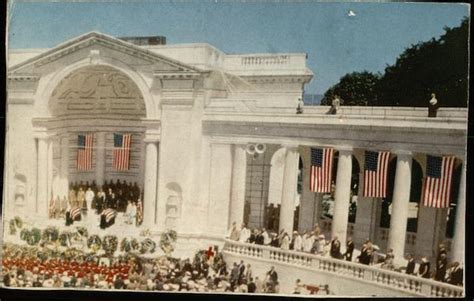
pixel 192 110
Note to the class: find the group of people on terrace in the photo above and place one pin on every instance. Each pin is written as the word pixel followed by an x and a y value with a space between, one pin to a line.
pixel 314 242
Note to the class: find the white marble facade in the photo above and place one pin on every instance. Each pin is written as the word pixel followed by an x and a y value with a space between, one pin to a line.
pixel 192 110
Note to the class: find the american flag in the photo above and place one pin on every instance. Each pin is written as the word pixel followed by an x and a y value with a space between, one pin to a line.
pixel 121 153
pixel 109 214
pixel 75 212
pixel 52 206
pixel 321 169
pixel 139 212
pixel 375 174
pixel 84 152
pixel 437 187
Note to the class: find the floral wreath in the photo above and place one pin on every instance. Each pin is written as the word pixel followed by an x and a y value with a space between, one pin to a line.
pixel 50 234
pixel 110 243
pixel 32 237
pixel 94 242
pixel 65 238
pixel 15 223
pixel 167 240
pixel 82 231
pixel 129 244
pixel 148 245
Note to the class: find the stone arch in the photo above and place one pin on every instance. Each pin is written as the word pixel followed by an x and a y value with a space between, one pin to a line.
pixel 49 83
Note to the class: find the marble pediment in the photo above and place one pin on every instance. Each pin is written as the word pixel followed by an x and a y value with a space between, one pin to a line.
pixel 95 46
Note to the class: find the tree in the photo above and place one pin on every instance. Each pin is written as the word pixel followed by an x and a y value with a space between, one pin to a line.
pixel 436 66
pixel 355 89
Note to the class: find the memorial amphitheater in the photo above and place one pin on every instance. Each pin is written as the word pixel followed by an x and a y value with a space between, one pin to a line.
pixel 216 139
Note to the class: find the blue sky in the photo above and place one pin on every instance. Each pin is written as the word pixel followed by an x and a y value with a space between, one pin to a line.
pixel 336 44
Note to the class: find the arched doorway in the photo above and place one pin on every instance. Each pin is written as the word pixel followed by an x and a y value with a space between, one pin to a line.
pixel 98 143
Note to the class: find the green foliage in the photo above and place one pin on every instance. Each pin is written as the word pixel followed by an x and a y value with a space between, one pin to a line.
pixel 437 66
pixel 355 89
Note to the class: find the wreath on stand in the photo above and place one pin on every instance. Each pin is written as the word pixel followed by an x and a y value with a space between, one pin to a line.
pixel 50 234
pixel 109 244
pixel 167 241
pixel 147 246
pixel 15 223
pixel 94 242
pixel 31 237
pixel 65 238
pixel 127 245
pixel 82 231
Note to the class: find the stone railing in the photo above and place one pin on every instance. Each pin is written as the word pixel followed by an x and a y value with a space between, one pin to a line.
pixel 413 285
pixel 262 62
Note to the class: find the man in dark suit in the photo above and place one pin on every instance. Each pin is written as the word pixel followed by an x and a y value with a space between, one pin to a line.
pixel 456 274
pixel 259 239
pixel 241 271
pixel 273 274
pixel 335 248
pixel 411 265
pixel 441 267
pixel 424 269
pixel 349 249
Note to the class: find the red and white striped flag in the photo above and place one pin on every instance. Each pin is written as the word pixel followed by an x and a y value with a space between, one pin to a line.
pixel 321 169
pixel 375 174
pixel 84 152
pixel 52 206
pixel 139 212
pixel 75 212
pixel 109 214
pixel 121 152
pixel 437 184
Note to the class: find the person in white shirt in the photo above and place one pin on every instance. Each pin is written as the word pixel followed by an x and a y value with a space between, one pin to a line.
pixel 133 214
pixel 244 233
pixel 308 242
pixel 266 238
pixel 89 198
pixel 285 242
pixel 128 212
pixel 298 242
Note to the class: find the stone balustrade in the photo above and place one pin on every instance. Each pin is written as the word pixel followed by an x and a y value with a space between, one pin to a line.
pixel 408 284
pixel 262 62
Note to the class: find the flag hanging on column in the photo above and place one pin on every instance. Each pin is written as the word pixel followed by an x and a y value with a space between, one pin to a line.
pixel 121 152
pixel 375 174
pixel 84 152
pixel 139 212
pixel 437 184
pixel 321 170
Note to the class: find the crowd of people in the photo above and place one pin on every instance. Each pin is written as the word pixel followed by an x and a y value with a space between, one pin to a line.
pixel 314 242
pixel 92 198
pixel 205 273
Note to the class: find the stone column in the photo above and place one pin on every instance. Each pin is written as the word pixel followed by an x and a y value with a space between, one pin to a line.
pixel 290 179
pixel 151 175
pixel 401 198
pixel 64 168
pixel 239 172
pixel 49 192
pixel 100 159
pixel 42 178
pixel 342 195
pixel 458 246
